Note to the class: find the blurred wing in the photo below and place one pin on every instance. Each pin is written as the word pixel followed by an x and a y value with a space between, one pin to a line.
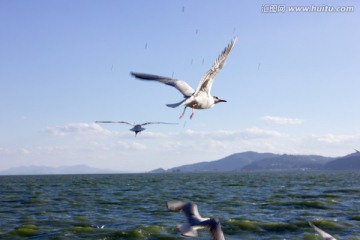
pixel 182 86
pixel 114 122
pixel 208 79
pixel 191 212
pixel 187 230
pixel 175 205
pixel 143 124
pixel 216 231
pixel 189 209
pixel 322 233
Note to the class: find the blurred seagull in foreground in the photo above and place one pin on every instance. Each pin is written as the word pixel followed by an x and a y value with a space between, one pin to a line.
pixel 323 234
pixel 201 98
pixel 357 151
pixel 136 127
pixel 195 221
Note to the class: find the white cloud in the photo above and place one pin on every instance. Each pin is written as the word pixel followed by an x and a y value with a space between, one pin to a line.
pixel 4 150
pixel 52 149
pixel 130 145
pixel 25 151
pixel 325 144
pixel 255 132
pixel 220 142
pixel 248 133
pixel 282 120
pixel 8 151
pixel 78 129
pixel 336 139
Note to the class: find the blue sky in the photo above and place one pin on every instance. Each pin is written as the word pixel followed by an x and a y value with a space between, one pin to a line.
pixel 291 82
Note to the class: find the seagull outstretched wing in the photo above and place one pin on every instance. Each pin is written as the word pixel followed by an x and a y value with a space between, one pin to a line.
pixel 208 79
pixel 182 86
pixel 115 122
pixel 175 205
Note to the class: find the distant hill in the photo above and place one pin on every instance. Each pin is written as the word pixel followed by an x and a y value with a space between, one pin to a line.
pixel 234 162
pixel 349 162
pixel 253 161
pixel 289 162
pixel 44 170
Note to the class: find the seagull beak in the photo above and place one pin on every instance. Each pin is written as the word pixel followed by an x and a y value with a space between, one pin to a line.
pixel 221 100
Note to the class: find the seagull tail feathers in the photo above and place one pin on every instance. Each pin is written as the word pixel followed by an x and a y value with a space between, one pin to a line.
pixel 174 105
pixel 187 230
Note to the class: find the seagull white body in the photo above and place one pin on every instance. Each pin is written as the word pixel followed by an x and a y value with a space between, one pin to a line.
pixel 322 233
pixel 137 128
pixel 200 98
pixel 195 221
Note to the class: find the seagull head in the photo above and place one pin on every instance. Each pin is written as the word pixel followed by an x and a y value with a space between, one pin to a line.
pixel 217 100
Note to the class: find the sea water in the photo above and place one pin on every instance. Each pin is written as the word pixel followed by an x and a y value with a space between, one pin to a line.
pixel 250 205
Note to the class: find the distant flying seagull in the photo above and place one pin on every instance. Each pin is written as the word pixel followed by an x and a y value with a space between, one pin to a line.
pixel 97 226
pixel 195 221
pixel 323 234
pixel 201 98
pixel 136 127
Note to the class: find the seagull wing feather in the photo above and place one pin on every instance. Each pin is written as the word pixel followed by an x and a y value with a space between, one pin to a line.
pixel 182 86
pixel 322 233
pixel 207 81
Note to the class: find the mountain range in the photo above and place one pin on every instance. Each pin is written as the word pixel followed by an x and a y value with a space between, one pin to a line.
pixel 253 161
pixel 244 161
